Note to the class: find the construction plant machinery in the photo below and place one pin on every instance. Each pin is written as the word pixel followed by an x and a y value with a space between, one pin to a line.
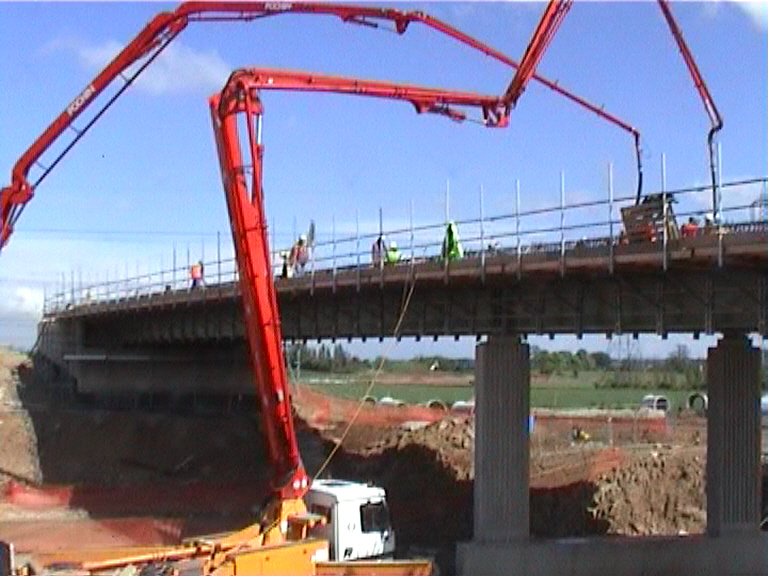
pixel 325 526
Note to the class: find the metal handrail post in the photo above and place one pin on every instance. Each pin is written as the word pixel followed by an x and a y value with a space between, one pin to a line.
pixel 665 210
pixel 218 253
pixel 382 246
pixel 446 264
pixel 482 239
pixel 357 245
pixel 413 256
pixel 517 229
pixel 333 250
pixel 312 270
pixel 126 282
pixel 610 216
pixel 562 223
pixel 173 272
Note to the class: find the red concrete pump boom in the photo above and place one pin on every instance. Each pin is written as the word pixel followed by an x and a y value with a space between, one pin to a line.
pixel 548 26
pixel 163 28
pixel 239 100
pixel 716 121
pixel 545 31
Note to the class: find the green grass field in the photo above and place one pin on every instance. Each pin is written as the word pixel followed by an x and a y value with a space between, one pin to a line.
pixel 558 391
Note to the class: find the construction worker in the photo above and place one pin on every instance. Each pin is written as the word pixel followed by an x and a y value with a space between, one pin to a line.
pixel 579 435
pixel 378 250
pixel 690 229
pixel 299 255
pixel 452 249
pixel 709 224
pixel 196 274
pixel 287 270
pixel 393 254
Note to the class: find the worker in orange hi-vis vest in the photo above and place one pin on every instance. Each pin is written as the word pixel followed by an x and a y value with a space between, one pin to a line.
pixel 196 274
pixel 690 229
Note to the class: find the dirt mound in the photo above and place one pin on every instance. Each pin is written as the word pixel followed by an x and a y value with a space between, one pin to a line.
pixel 578 490
pixel 658 493
pixel 431 505
pixel 450 443
pixel 428 473
pixel 18 443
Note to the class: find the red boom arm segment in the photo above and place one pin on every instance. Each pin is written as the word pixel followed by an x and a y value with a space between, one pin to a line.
pixel 423 99
pixel 546 30
pixel 716 121
pixel 164 27
pixel 245 201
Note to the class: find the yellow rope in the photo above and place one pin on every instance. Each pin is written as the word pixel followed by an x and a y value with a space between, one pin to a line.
pixel 376 374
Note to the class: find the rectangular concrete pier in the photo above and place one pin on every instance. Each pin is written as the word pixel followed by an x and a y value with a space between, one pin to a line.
pixel 502 452
pixel 733 437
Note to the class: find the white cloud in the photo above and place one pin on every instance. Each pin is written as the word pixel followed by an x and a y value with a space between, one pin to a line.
pixel 757 11
pixel 21 301
pixel 179 68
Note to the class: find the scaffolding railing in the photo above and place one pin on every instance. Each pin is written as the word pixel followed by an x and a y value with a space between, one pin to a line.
pixel 554 231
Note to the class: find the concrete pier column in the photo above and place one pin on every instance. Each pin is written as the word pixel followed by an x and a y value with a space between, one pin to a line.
pixel 733 437
pixel 502 404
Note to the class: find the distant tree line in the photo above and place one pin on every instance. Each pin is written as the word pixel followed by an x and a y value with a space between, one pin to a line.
pixel 324 358
pixel 677 371
pixel 335 358
pixel 567 363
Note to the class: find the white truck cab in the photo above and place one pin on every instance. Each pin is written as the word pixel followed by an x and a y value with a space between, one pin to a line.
pixel 357 519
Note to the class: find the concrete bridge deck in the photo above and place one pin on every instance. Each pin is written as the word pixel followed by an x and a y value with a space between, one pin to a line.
pixel 711 284
pixel 192 340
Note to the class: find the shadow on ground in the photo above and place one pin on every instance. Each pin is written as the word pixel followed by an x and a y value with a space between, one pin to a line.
pixel 432 510
pixel 207 470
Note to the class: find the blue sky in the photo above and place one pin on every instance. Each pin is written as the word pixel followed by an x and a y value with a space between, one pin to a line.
pixel 146 176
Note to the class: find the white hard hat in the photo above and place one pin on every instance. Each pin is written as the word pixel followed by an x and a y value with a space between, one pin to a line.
pixel 303 237
pixel 393 244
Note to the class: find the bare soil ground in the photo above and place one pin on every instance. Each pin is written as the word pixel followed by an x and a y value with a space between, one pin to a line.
pixel 153 465
pixel 576 490
pixel 18 441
